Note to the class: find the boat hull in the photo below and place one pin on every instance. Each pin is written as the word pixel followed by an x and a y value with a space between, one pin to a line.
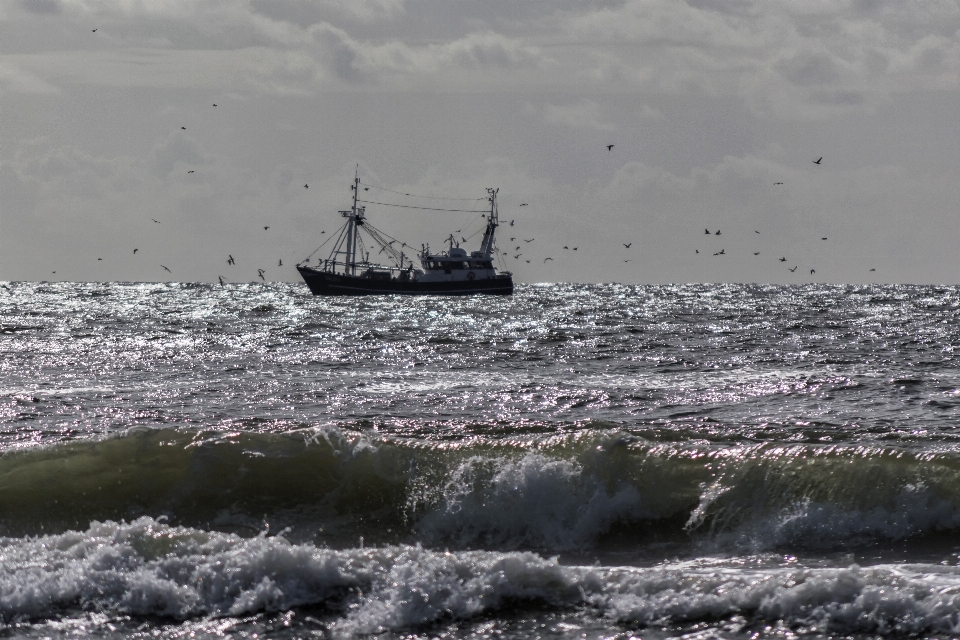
pixel 323 283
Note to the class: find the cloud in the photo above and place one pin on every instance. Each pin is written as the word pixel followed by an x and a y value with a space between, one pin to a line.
pixel 581 115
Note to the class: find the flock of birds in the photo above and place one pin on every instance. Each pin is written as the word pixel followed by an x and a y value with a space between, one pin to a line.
pixel 516 253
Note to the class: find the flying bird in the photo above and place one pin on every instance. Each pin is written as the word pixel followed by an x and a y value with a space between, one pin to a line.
pixel 260 273
pixel 523 204
pixel 94 32
pixel 214 104
pixel 530 240
pixel 696 250
pixel 706 231
pixel 792 270
pixel 823 238
pixel 783 259
pixel 817 161
pixel 230 259
pixel 609 147
pixel 99 258
pixel 545 261
pixel 155 220
pixel 280 264
pixel 717 233
pixel 528 262
pixel 755 231
pixel 517 257
pixel 565 247
pixel 167 270
pixel 184 128
pixel 777 183
pixel 135 251
pixel 575 248
pixel 627 260
pixel 812 271
pixel 756 253
pixel 221 280
pixel 306 186
pixel 511 223
pixel 627 244
pixel 191 171
pixel 265 228
pixel 870 270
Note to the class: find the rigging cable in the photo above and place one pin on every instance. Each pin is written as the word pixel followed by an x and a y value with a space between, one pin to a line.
pixel 373 186
pixel 410 206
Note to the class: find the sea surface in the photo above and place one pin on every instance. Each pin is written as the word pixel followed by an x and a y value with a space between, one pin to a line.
pixel 572 461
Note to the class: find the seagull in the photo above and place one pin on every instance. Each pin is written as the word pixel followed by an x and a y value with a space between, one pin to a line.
pixel 706 231
pixel 155 220
pixel 135 251
pixel 191 171
pixel 627 244
pixel 265 228
pixel 575 248
pixel 280 264
pixel 511 223
pixel 722 252
pixel 517 257
pixel 817 161
pixel 823 238
pixel 94 32
pixel 627 260
pixel 230 259
pixel 792 270
pixel 184 128
pixel 214 104
pixel 366 188
pixel 528 262
pixel 696 250
pixel 777 183
pixel 530 240
pixel 756 253
pixel 306 186
pixel 783 259
pixel 323 232
pixel 717 233
pixel 99 258
pixel 523 204
pixel 565 247
pixel 168 270
pixel 609 147
pixel 812 271
pixel 545 261
pixel 221 280
pixel 870 270
pixel 260 273
pixel 512 239
pixel 755 231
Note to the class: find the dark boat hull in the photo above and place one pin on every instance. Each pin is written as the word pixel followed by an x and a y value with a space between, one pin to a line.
pixel 323 283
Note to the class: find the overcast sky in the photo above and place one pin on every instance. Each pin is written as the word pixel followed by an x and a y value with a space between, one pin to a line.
pixel 709 104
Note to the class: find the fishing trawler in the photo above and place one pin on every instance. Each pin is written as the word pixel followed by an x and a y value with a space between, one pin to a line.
pixel 349 272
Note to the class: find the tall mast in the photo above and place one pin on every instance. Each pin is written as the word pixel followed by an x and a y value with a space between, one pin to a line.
pixel 352 231
pixel 486 246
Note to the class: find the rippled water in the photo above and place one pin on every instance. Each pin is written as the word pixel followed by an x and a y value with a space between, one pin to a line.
pixel 569 461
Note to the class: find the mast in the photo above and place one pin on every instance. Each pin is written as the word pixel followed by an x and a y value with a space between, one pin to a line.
pixel 486 246
pixel 354 220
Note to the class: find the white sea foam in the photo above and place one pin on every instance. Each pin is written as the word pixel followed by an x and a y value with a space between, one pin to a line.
pixel 149 568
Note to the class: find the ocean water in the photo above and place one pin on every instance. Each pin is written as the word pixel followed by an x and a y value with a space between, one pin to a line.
pixel 573 461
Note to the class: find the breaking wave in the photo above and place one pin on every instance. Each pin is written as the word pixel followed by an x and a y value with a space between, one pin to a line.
pixel 148 568
pixel 584 491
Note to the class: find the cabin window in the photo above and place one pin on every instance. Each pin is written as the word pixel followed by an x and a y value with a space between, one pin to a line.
pixel 480 264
